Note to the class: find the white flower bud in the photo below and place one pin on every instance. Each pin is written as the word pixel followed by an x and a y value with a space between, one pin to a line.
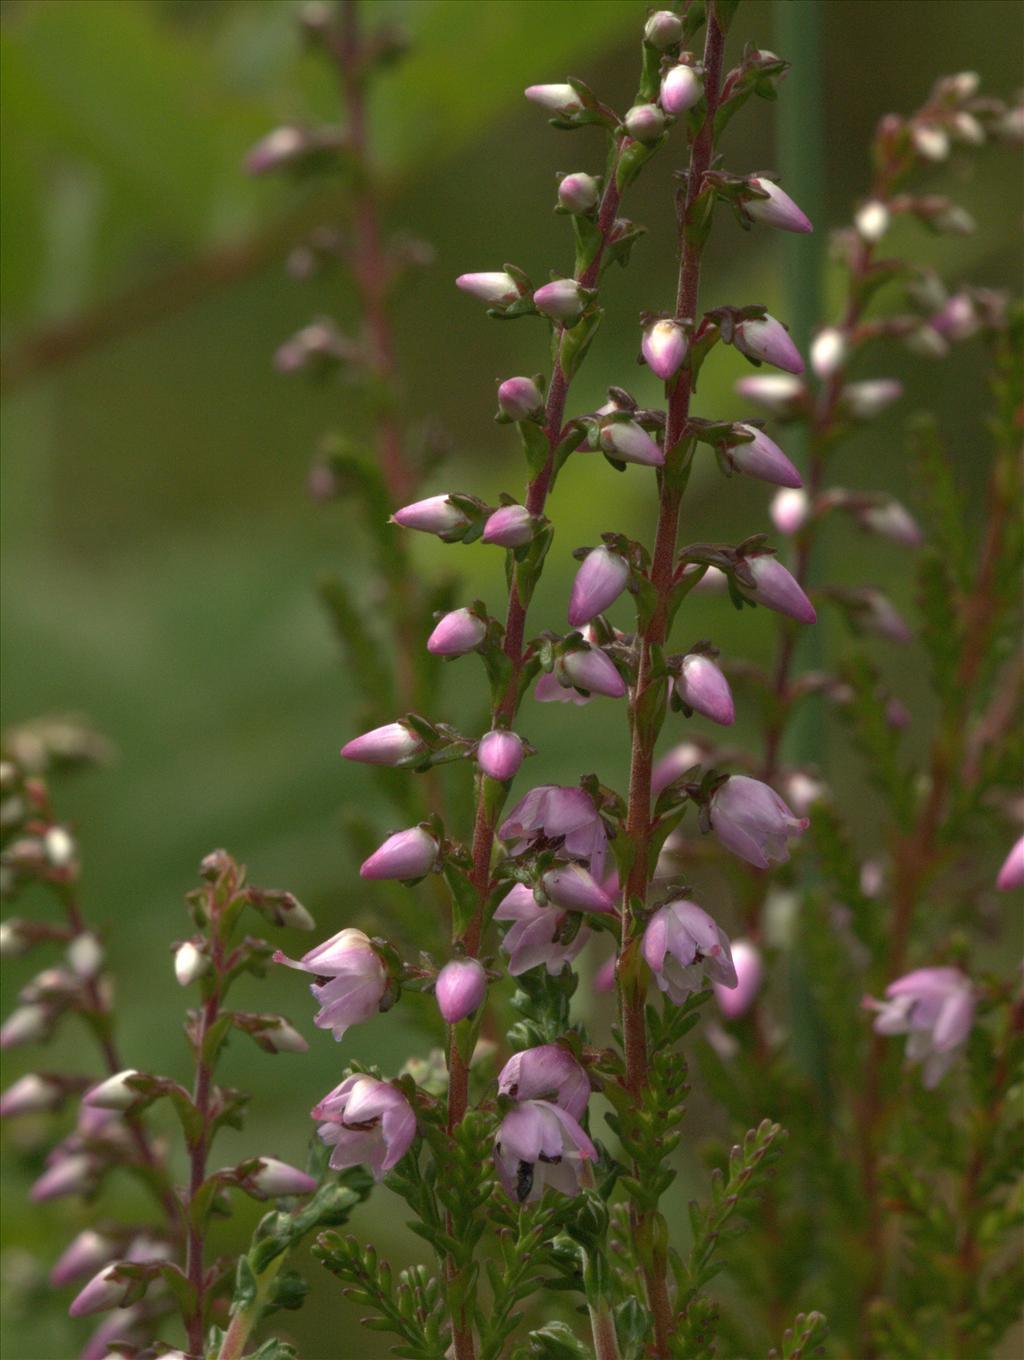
pixel 114 1093
pixel 59 846
pixel 85 955
pixel 663 30
pixel 828 352
pixel 872 220
pixel 930 142
pixel 190 963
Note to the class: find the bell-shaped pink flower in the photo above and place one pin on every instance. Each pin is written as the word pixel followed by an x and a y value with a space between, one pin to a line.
pixel 675 763
pixel 644 122
pixel 789 509
pixel 538 934
pixel 550 690
pixel 601 579
pixel 496 288
pixel 761 457
pixel 578 193
pixel 367 1123
pixel 405 855
pixel 458 632
pixel 84 1255
pixel 573 888
pixel 352 980
pixel 752 821
pixel 935 1007
pixel 777 589
pixel 520 399
pixel 511 526
pixel 562 300
pixel 460 989
pixel 548 1072
pixel 500 754
pixel 767 341
pixel 274 1178
pixel 30 1094
pixel 778 209
pixel 435 515
pixel 664 347
pixel 779 393
pixel 539 1144
pixel 590 670
pixel 1011 875
pixel 681 88
pixel 703 687
pixel 553 812
pixel 559 98
pixel 629 442
pixel 387 745
pixel 681 945
pixel 736 1001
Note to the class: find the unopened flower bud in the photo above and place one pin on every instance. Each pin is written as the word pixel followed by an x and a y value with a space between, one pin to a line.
pixel 966 128
pixel 828 352
pixel 387 745
pixel 578 192
pixel 85 955
pixel 681 88
pixel 67 1174
pixel 767 341
pixel 778 209
pixel 664 347
pixel 104 1291
pixel 590 670
pixel 777 589
pixel 59 847
pixel 114 1093
pixel 435 515
pixel 520 399
pixel 863 400
pixel 663 30
pixel 500 754
pixel 84 1255
pixel 1011 875
pixel 561 99
pixel 879 615
pixel 283 1038
pixel 278 1178
pixel 601 579
pixel 778 393
pixel 930 141
pixel 276 150
pixel 30 1094
pixel 927 342
pixel 892 521
pixel 645 122
pixel 761 457
pixel 803 791
pixel 629 442
pixel 958 318
pixel 25 1025
pixel 496 288
pixel 735 1001
pixel 872 221
pixel 14 939
pixel 562 300
pixel 405 855
pixel 789 510
pixel 460 989
pixel 511 526
pixel 703 687
pixel 458 632
pixel 575 889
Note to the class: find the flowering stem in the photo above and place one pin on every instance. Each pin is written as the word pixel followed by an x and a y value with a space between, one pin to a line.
pixel 645 728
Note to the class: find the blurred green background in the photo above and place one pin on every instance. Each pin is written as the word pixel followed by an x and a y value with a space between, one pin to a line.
pixel 160 548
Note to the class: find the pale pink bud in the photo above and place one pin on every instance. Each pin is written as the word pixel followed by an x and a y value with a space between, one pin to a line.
pixel 125 1324
pixel 681 88
pixel 538 934
pixel 511 526
pixel 630 443
pixel 777 210
pixel 520 399
pixel 927 342
pixel 538 1145
pixel 85 955
pixel 892 521
pixel 190 963
pixel 367 1123
pixel 278 1178
pixel 548 1072
pixel 664 347
pixel 388 745
pixel 283 1038
pixel 736 1001
pixel 495 288
pixel 561 99
pixel 500 754
pixel 675 763
pixel 966 128
pixel 872 221
pixel 578 193
pixel 930 141
pixel 681 945
pixel 113 1094
pixel 590 670
pixel 703 687
pixel 866 399
pixel 958 318
pixel 828 352
pixel 59 846
pixel 935 1007
pixel 803 791
pixel 761 457
pixel 789 510
pixel 278 149
pixel 30 1094
pixel 663 30
pixel 405 855
pixel 572 888
pixel 104 1291
pixel 777 589
pixel 778 393
pixel 752 821
pixel 435 515
pixel 457 633
pixel 352 981
pixel 1011 875
pixel 460 989
pixel 768 341
pixel 601 579
pixel 67 1174
pixel 550 690
pixel 25 1025
pixel 84 1255
pixel 645 122
pixel 562 300
pixel 879 615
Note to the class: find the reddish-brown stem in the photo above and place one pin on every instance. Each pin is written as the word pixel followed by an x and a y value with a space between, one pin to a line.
pixel 638 819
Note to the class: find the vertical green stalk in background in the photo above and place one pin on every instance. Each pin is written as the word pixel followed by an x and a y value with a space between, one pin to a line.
pixel 801 163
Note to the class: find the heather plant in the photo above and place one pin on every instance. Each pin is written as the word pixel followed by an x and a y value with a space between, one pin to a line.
pixel 861 1044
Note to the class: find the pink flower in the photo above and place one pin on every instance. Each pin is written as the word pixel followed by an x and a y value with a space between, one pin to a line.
pixel 703 687
pixel 495 288
pixel 538 934
pixel 67 1173
pixel 578 193
pixel 761 457
pixel 460 989
pixel 892 521
pixel 85 1253
pixel 736 1001
pixel 879 615
pixel 590 670
pixel 560 99
pixel 104 1291
pixel 435 515
pixel 629 442
pixel 604 978
pixel 511 526
pixel 405 855
pixel 681 88
pixel 777 589
pixel 664 347
pixel 767 341
pixel 550 690
pixel 352 983
pixel 570 886
pixel 548 1072
pixel 777 210
pixel 675 763
pixel 644 122
pixel 520 399
pixel 935 1007
pixel 789 510
pixel 601 579
pixel 663 30
pixel 752 821
pixel 274 1178
pixel 539 1144
pixel 367 1123
pixel 387 745
pixel 1011 875
pixel 277 150
pixel 681 944
pixel 500 754
pixel 553 812
pixel 30 1094
pixel 458 632
pixel 562 301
